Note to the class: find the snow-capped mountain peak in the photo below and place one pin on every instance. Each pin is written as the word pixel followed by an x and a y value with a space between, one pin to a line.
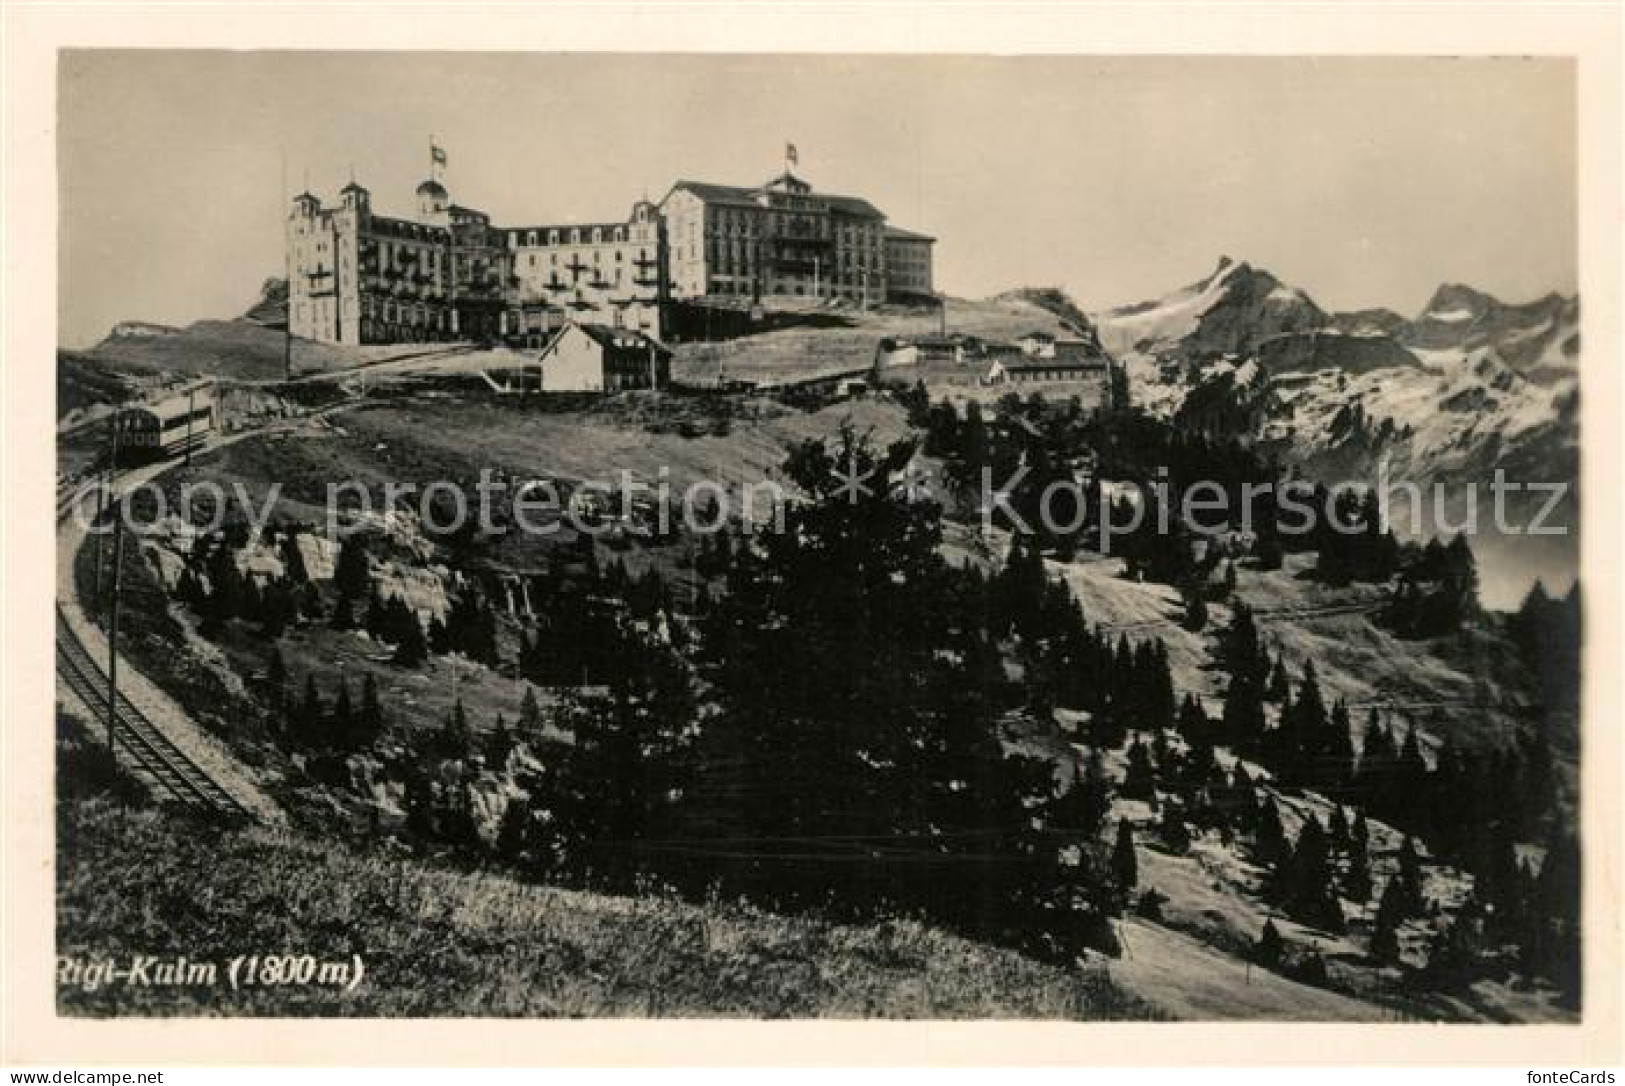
pixel 1469 384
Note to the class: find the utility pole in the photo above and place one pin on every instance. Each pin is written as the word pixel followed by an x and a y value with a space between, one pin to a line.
pixel 287 332
pixel 338 298
pixel 112 633
pixel 287 282
pixel 191 409
pixel 102 493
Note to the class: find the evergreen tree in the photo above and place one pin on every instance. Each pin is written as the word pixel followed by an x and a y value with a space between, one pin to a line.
pixel 352 569
pixel 1243 720
pixel 1411 785
pixel 343 724
pixel 457 825
pixel 1293 746
pixel 370 720
pixel 1410 878
pixel 1269 838
pixel 1159 687
pixel 1193 725
pixel 377 620
pixel 1094 796
pixel 1304 884
pixel 1338 827
pixel 499 744
pixel 412 650
pixel 1456 950
pixel 293 559
pixel 1125 867
pixel 1279 691
pixel 276 674
pixel 1195 611
pixel 1360 835
pixel 1391 912
pixel 1172 829
pixel 419 802
pixel 439 642
pixel 513 832
pixel 454 739
pixel 1556 946
pixel 311 716
pixel 1268 950
pixel 189 590
pixel 1375 778
pixel 1357 877
pixel 530 714
pixel 1335 760
pixel 1140 776
pixel 1241 652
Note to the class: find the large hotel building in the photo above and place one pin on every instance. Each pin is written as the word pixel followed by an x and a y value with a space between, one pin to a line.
pixel 448 273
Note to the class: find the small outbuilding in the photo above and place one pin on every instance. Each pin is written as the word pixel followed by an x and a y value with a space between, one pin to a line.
pixel 597 358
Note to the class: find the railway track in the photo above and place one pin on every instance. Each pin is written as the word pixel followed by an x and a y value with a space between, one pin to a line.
pixel 169 767
pixel 173 772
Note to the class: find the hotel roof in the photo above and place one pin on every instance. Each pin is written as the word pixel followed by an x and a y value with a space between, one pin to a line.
pixel 906 235
pixel 741 196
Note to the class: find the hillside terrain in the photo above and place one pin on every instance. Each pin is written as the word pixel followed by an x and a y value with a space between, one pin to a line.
pixel 438 942
pixel 846 339
pixel 1058 760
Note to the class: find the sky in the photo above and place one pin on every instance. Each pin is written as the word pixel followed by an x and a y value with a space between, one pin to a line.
pixel 1366 182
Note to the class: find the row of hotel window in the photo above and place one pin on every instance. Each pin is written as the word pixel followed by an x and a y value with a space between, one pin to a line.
pixel 552 237
pixel 597 257
pixel 723 221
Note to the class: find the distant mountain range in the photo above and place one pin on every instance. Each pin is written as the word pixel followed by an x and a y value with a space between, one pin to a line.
pixel 1469 385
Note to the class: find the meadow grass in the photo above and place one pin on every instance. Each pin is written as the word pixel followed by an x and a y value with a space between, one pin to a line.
pixel 442 942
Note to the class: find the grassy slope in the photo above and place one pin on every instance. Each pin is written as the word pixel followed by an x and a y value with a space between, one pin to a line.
pixel 1191 980
pixel 787 353
pixel 82 383
pixel 419 442
pixel 223 348
pixel 439 942
pixel 450 437
pixel 1214 894
pixel 245 350
pixel 453 439
pixel 1443 684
